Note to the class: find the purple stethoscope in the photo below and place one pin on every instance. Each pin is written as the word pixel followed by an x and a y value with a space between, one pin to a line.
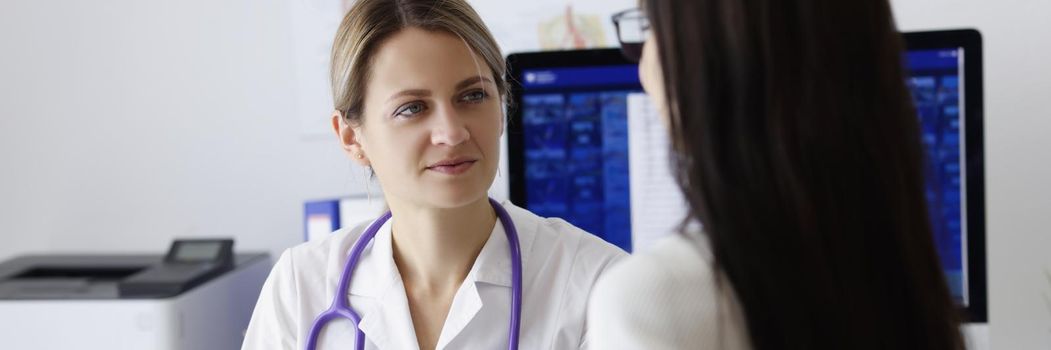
pixel 340 304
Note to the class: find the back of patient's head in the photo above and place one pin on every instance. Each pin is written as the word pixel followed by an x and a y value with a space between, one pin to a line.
pixel 799 151
pixel 369 22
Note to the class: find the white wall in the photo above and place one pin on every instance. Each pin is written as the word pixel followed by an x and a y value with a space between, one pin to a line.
pixel 1018 155
pixel 126 123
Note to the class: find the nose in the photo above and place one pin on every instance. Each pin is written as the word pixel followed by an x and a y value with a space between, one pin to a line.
pixel 448 128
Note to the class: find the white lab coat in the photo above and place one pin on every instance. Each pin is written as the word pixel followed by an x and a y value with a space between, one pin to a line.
pixel 560 264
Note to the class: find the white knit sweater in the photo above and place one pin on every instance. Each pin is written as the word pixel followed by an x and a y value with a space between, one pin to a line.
pixel 666 298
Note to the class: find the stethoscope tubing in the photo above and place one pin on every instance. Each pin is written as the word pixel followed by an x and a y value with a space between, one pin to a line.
pixel 340 307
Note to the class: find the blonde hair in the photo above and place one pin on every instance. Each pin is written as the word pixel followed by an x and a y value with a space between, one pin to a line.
pixel 370 22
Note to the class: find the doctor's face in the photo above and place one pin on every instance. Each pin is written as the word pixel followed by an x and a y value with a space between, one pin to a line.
pixel 432 120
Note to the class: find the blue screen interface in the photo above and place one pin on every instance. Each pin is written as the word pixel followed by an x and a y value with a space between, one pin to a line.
pixel 936 81
pixel 575 131
pixel 576 149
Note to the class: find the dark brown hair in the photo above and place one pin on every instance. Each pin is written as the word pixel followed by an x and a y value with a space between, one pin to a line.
pixel 799 151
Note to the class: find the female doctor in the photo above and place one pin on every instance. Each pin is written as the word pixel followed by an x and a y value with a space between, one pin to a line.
pixel 418 87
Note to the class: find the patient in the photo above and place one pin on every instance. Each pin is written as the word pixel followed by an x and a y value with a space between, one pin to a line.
pixel 798 150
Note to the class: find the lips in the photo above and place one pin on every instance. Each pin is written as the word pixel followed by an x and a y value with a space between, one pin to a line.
pixel 453 166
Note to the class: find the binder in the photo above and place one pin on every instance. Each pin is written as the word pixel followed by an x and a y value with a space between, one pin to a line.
pixel 320 218
pixel 324 216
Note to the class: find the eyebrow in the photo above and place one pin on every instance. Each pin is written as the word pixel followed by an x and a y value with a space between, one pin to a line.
pixel 424 93
pixel 471 81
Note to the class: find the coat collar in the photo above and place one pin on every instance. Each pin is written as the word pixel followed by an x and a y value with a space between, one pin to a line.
pixel 376 272
pixel 493 265
pixel 382 282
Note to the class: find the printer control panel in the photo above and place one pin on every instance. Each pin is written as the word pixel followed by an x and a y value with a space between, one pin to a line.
pixel 197 251
pixel 188 263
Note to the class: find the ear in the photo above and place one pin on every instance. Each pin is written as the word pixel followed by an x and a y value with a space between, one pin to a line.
pixel 349 138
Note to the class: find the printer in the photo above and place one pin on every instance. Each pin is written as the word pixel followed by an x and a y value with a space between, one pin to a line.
pixel 200 295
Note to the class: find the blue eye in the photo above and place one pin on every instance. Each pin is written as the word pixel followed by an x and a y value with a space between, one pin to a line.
pixel 474 96
pixel 410 109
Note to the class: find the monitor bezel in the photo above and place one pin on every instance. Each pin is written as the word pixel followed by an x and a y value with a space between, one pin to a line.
pixel 976 310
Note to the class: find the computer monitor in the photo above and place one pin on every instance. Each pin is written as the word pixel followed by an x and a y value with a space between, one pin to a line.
pixel 945 76
pixel 585 145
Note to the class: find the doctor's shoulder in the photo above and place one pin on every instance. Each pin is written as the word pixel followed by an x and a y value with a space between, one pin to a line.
pixel 296 290
pixel 310 267
pixel 313 259
pixel 555 237
pixel 315 263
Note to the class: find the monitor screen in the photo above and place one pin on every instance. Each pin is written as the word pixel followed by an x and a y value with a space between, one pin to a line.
pixel 575 133
pixel 936 79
